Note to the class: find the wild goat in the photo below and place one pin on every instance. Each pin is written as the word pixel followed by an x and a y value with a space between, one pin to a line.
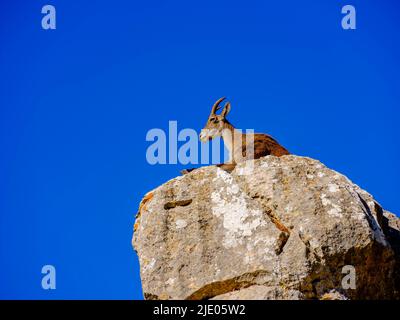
pixel 240 146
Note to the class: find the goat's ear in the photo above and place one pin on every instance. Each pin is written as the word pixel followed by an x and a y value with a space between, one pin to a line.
pixel 226 109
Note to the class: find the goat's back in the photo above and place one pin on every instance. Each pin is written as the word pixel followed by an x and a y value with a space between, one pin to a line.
pixel 264 145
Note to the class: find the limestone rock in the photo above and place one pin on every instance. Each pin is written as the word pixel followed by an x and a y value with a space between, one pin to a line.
pixel 283 228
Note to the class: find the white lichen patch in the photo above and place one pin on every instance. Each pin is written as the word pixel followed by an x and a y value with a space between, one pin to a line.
pixel 335 209
pixel 247 259
pixel 180 223
pixel 314 243
pixel 148 267
pixel 246 168
pixel 288 208
pixel 371 205
pixel 332 187
pixel 170 281
pixel 233 189
pixel 310 176
pixel 265 247
pixel 261 248
pixel 265 164
pixel 231 205
pixel 324 199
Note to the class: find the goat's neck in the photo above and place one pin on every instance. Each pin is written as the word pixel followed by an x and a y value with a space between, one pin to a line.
pixel 229 135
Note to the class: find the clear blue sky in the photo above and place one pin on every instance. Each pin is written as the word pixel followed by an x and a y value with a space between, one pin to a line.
pixel 76 104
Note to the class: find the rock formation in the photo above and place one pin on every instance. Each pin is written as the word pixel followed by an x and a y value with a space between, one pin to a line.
pixel 285 228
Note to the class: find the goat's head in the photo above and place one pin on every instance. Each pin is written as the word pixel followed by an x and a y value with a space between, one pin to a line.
pixel 216 122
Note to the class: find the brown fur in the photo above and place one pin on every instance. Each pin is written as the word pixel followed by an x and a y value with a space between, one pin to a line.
pixel 264 145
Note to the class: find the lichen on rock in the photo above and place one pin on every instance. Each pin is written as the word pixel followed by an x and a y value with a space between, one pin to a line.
pixel 285 231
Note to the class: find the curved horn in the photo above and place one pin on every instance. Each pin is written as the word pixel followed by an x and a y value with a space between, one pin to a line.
pixel 226 109
pixel 216 106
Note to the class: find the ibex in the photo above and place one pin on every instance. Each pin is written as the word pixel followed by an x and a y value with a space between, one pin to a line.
pixel 240 146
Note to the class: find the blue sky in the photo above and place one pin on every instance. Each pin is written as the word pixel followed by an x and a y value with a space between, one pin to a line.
pixel 76 104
